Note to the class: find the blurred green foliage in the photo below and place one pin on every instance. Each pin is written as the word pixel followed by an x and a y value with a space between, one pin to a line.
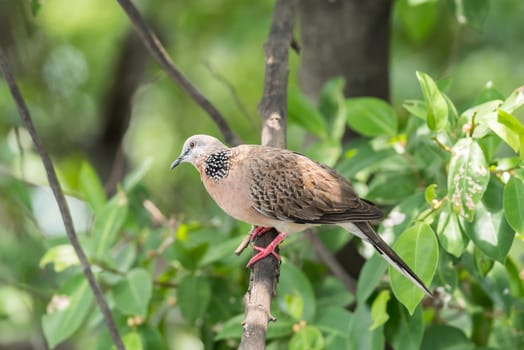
pixel 175 283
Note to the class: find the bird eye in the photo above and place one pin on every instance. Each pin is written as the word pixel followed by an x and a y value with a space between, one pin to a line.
pixel 192 144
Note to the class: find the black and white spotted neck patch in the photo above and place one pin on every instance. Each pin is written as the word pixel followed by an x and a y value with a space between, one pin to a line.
pixel 217 165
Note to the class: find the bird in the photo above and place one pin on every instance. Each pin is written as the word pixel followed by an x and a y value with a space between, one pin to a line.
pixel 271 187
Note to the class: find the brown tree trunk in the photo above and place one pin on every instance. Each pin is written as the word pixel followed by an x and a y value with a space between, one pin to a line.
pixel 348 38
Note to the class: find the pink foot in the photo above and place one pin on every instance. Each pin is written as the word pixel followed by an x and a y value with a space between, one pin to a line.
pixel 269 250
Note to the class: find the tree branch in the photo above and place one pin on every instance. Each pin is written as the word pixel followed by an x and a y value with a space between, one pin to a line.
pixel 159 53
pixel 273 111
pixel 60 199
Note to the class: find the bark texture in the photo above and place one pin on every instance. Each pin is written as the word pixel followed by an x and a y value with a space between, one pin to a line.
pixel 348 38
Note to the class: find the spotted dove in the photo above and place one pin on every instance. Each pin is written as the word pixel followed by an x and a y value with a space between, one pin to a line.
pixel 272 187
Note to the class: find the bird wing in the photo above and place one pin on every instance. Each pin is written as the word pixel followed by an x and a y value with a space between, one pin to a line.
pixel 291 187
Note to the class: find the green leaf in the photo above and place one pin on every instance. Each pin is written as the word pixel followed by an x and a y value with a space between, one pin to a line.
pixel 471 12
pixel 391 187
pixel 62 256
pixel 437 107
pixel 91 188
pixel 371 116
pixel 417 108
pixel 491 233
pixel 379 313
pixel 418 247
pixel 231 329
pixel 295 293
pixel 514 126
pixel 71 305
pixel 430 193
pixel 514 101
pixel 516 284
pixel 444 337
pixel 363 158
pixel 151 337
pixel 132 341
pixel 406 331
pixel 190 256
pixel 331 292
pixel 36 5
pixel 302 113
pixel 450 234
pixel 418 18
pixel 107 224
pixel 468 177
pixel 309 338
pixel 134 178
pixel 327 152
pixel 333 320
pixel 132 294
pixel 514 203
pixel 194 293
pixel 360 337
pixel 370 276
pixel 217 252
pixel 333 108
pixel 282 328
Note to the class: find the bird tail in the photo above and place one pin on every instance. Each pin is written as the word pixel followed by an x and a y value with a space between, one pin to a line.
pixel 366 232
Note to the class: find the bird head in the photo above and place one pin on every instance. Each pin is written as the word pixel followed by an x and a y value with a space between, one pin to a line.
pixel 196 147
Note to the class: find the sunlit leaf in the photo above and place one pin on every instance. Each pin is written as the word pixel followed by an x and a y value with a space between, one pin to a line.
pixel 430 193
pixel 418 247
pixel 132 294
pixel 437 107
pixel 514 203
pixel 371 116
pixel 468 177
pixel 62 256
pixel 514 101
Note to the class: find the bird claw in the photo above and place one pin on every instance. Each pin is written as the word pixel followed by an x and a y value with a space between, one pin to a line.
pixel 269 250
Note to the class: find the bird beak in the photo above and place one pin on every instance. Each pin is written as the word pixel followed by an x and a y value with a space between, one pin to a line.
pixel 176 162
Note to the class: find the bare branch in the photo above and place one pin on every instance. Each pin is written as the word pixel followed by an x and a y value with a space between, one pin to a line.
pixel 60 199
pixel 159 53
pixel 273 111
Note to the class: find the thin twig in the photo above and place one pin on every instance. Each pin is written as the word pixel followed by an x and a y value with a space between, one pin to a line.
pixel 333 265
pixel 159 53
pixel 60 199
pixel 233 92
pixel 273 111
